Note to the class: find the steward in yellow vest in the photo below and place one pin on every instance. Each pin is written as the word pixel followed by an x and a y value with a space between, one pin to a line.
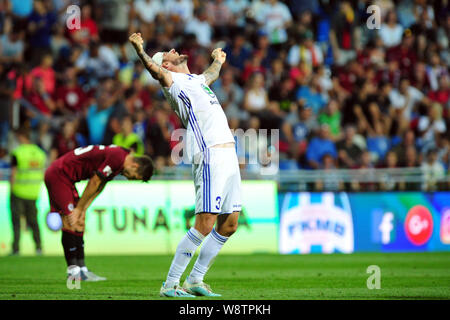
pixel 128 139
pixel 27 175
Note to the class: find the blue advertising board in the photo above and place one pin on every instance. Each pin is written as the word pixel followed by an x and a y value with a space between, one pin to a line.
pixel 351 222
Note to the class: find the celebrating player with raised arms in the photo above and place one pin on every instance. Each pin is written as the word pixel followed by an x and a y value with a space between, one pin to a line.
pixel 210 147
pixel 99 164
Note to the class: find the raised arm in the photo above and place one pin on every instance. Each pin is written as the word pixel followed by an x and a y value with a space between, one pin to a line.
pixel 159 73
pixel 212 73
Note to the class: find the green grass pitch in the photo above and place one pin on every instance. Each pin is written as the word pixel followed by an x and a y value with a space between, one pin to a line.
pixel 250 277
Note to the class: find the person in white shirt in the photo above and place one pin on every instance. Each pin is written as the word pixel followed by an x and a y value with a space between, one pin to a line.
pixel 147 10
pixel 184 9
pixel 405 98
pixel 391 32
pixel 200 27
pixel 211 148
pixel 307 51
pixel 276 18
pixel 432 170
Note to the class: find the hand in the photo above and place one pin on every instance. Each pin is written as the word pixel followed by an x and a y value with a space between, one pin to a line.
pixel 219 55
pixel 74 219
pixel 137 41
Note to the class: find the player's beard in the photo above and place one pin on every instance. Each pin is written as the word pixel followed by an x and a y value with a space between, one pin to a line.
pixel 181 59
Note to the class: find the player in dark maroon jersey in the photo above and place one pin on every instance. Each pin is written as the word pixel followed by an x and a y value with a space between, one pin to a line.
pixel 99 164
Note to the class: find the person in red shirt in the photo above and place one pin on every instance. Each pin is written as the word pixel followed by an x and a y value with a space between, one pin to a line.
pixel 70 97
pixel 88 28
pixel 99 164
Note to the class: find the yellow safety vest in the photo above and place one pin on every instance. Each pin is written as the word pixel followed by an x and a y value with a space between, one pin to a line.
pixel 126 142
pixel 30 171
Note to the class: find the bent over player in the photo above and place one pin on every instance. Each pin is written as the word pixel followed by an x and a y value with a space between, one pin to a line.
pixel 99 164
pixel 210 146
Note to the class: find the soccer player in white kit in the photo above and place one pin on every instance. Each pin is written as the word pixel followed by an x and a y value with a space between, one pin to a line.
pixel 210 146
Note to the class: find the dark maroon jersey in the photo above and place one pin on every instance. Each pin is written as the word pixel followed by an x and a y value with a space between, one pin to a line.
pixel 82 163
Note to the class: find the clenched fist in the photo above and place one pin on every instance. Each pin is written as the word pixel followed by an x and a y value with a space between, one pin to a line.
pixel 219 54
pixel 137 41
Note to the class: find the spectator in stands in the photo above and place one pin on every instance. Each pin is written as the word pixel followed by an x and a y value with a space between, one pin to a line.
pixel 70 97
pixel 331 116
pixel 405 99
pixel 12 47
pixel 409 139
pixel 348 151
pixel 277 18
pixel 98 117
pixel 64 141
pixel 256 100
pixel 200 26
pixel 147 10
pixel 432 170
pixel 88 30
pixel 319 146
pixel 431 124
pixel 45 72
pixel 137 97
pixel 343 34
pixel 114 21
pixel 179 10
pixel 7 86
pixel 366 173
pixel 220 17
pixel 312 95
pixel 330 180
pixel 40 26
pixel 306 50
pixel 239 10
pixel 442 93
pixel 158 138
pixel 388 183
pixel 230 96
pixel 40 98
pixel 391 32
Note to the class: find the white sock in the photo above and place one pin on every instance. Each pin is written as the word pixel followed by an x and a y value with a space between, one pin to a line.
pixel 210 248
pixel 185 251
pixel 84 269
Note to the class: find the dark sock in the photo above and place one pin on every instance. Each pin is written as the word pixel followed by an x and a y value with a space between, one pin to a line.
pixel 69 243
pixel 80 252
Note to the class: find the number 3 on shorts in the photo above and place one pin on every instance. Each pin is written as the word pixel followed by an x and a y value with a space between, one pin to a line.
pixel 218 199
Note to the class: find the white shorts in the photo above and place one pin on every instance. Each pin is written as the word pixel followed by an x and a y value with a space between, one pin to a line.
pixel 217 181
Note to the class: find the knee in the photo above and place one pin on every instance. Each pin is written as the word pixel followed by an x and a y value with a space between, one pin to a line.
pixel 204 225
pixel 227 229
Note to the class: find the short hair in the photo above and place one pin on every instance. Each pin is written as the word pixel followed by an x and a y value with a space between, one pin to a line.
pixel 24 132
pixel 146 167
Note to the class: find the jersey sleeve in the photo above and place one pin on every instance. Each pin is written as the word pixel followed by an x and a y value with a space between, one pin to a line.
pixel 113 163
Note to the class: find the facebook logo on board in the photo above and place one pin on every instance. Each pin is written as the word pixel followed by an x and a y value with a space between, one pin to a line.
pixel 383 226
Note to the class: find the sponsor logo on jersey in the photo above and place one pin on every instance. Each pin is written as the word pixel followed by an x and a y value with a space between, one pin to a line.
pixel 445 226
pixel 208 91
pixel 418 225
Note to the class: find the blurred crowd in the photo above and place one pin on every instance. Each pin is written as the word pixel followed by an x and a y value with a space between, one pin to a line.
pixel 342 93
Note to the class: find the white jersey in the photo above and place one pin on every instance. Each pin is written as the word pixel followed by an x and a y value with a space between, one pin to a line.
pixel 200 112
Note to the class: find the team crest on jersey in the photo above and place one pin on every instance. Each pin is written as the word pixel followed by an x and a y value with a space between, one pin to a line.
pixel 208 91
pixel 107 171
pixel 70 207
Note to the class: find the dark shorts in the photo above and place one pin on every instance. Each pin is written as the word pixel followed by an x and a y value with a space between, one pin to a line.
pixel 114 36
pixel 61 191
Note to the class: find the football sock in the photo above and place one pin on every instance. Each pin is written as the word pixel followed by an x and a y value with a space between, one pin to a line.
pixel 210 248
pixel 69 243
pixel 185 250
pixel 80 252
